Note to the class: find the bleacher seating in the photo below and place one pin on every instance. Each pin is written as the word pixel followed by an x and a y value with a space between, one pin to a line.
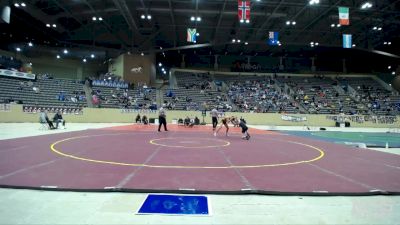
pixel 42 93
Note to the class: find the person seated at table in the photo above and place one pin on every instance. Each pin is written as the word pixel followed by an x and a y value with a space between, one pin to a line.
pixel 145 120
pixel 138 120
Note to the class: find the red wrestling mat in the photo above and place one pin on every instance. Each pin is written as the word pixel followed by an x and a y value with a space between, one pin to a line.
pixel 138 158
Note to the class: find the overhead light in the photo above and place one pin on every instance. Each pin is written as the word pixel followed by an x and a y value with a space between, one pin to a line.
pixel 149 17
pixel 191 18
pixel 379 28
pixel 30 44
pixel 279 44
pixel 332 25
pixel 58 56
pixel 242 20
pixel 84 60
pixel 23 4
pixel 92 56
pixel 374 28
pixel 100 18
pixel 338 25
pixel 16 5
pixel 354 45
pixel 162 69
pixel 238 40
pixel 294 23
pixel 65 51
pixel 143 17
pixel 233 40
pixel 160 64
pixel 366 5
pixel 389 43
pixel 313 2
pixel 94 18
pixel 316 43
pixel 287 22
pixel 54 25
pixel 18 49
pixel 393 73
pixel 385 43
pixel 311 43
pixel 161 48
pixel 164 72
pixel 48 25
pixel 247 21
pixel 389 67
pixel 197 34
pixel 198 19
pixel 30 64
pixel 246 43
pixel 142 54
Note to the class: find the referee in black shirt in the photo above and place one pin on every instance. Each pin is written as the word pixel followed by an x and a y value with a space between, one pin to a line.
pixel 162 119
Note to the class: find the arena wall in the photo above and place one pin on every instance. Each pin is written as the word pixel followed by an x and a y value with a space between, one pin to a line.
pixel 95 115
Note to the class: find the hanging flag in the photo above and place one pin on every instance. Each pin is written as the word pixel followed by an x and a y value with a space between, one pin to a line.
pixel 191 35
pixel 244 11
pixel 273 38
pixel 347 40
pixel 344 18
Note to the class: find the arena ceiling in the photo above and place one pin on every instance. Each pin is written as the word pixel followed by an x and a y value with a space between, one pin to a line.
pixel 122 29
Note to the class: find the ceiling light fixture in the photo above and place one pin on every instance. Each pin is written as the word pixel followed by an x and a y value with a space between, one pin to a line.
pixel 94 18
pixel 92 56
pixel 84 60
pixel 58 56
pixel 18 49
pixel 23 4
pixel 198 19
pixel 30 44
pixel 143 17
pixel 100 18
pixel 16 5
pixel 149 17
pixel 65 51
pixel 366 5
pixel 54 25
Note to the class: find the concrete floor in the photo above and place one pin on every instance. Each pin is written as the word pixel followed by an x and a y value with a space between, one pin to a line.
pixel 51 207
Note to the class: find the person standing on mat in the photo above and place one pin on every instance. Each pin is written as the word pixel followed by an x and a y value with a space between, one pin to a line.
pixel 224 122
pixel 214 116
pixel 245 129
pixel 162 119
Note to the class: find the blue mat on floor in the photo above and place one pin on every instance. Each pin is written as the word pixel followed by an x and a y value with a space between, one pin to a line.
pixel 370 139
pixel 175 205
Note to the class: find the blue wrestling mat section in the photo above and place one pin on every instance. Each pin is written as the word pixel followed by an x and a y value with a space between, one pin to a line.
pixel 370 139
pixel 175 205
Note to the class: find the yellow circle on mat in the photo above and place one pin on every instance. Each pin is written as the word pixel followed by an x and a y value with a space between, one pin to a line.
pixel 53 148
pixel 223 143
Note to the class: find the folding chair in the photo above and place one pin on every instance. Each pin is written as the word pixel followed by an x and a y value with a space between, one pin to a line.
pixel 44 126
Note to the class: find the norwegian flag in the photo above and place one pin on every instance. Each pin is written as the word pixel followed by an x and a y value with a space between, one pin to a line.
pixel 244 11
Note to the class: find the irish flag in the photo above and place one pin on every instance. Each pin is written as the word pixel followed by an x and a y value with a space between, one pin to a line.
pixel 344 18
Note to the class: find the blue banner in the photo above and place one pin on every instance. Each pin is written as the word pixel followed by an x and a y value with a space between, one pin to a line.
pixel 347 41
pixel 175 205
pixel 273 38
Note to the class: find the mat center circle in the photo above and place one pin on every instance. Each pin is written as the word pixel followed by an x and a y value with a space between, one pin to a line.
pixel 193 142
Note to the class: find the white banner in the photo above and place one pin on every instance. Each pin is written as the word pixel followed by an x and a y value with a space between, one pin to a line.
pixel 10 73
pixel 294 118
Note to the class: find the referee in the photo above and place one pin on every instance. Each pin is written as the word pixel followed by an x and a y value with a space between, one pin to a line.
pixel 162 119
pixel 214 116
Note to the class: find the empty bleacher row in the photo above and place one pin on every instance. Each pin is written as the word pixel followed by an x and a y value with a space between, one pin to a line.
pixel 43 93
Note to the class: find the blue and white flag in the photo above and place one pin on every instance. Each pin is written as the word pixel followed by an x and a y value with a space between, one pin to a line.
pixel 346 40
pixel 273 38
